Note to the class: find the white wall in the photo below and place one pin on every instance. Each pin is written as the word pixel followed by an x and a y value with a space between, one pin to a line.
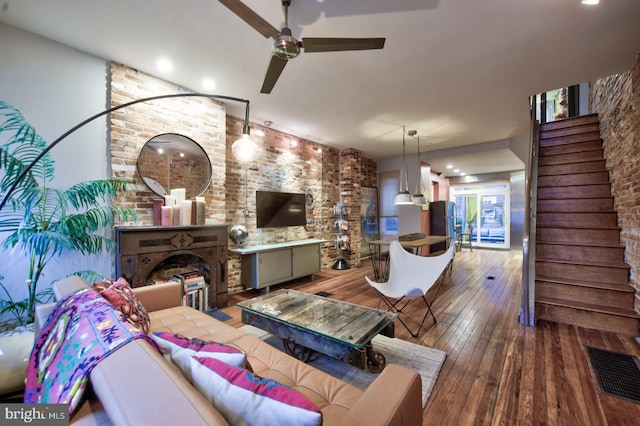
pixel 56 87
pixel 408 216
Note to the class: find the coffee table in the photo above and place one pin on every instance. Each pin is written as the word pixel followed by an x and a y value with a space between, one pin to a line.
pixel 308 322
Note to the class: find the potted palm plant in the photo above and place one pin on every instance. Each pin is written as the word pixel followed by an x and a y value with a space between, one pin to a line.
pixel 43 222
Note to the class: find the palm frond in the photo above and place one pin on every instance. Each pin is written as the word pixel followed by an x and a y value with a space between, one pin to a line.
pixel 21 149
pixel 90 194
pixel 38 242
pixel 89 275
pixel 92 244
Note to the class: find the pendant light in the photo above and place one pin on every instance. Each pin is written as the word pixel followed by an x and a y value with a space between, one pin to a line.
pixel 403 197
pixel 419 198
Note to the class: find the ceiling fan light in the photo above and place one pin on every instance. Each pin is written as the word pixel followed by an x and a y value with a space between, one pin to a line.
pixel 244 149
pixel 286 47
pixel 403 198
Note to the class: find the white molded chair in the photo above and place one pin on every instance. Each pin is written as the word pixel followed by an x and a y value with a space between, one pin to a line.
pixel 410 277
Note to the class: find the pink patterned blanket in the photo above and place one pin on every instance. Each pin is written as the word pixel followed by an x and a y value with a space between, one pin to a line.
pixel 83 329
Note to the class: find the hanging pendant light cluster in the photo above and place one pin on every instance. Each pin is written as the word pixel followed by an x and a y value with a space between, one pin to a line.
pixel 403 197
pixel 419 198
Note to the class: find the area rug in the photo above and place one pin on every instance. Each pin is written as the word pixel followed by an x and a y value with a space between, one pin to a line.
pixel 426 361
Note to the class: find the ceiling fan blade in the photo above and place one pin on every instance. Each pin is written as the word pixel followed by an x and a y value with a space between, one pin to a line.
pixel 251 18
pixel 320 44
pixel 276 66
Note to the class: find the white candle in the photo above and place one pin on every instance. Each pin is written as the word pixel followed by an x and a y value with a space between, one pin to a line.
pixel 169 200
pixel 186 212
pixel 180 194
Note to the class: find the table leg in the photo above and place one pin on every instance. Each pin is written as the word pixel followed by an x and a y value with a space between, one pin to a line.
pixel 297 351
pixel 375 360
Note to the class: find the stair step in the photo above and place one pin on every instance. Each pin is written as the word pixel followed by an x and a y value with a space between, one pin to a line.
pixel 601 255
pixel 570 139
pixel 582 205
pixel 581 220
pixel 613 287
pixel 602 236
pixel 567 131
pixel 587 315
pixel 565 169
pixel 575 179
pixel 582 271
pixel 570 147
pixel 573 157
pixel 570 122
pixel 610 297
pixel 600 190
pixel 581 274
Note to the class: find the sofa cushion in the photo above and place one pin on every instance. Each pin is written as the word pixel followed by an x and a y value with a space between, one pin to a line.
pixel 120 294
pixel 245 398
pixel 180 349
pixel 138 387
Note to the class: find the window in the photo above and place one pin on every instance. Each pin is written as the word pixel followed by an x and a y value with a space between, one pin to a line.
pixel 389 183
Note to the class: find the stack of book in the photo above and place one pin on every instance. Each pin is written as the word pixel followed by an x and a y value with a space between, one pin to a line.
pixel 195 290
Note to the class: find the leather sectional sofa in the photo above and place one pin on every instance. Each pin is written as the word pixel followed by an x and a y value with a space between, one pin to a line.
pixel 136 385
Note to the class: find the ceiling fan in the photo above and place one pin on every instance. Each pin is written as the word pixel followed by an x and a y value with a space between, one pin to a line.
pixel 286 47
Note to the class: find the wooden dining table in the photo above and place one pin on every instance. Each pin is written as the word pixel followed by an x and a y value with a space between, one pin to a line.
pixel 380 259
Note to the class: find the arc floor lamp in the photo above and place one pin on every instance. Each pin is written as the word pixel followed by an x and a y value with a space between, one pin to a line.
pixel 244 149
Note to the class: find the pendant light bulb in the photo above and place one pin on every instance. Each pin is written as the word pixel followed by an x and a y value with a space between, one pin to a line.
pixel 403 197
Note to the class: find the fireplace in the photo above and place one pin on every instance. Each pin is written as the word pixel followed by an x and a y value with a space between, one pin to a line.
pixel 149 253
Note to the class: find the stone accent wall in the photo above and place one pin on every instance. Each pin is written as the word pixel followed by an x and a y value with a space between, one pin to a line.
pixel 616 99
pixel 322 171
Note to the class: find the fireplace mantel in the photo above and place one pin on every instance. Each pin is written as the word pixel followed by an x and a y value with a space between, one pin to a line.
pixel 140 249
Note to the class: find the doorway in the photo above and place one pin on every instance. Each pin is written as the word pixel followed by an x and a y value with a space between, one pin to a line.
pixel 483 212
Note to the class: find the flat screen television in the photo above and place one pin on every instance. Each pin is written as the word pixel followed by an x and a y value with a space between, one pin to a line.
pixel 280 209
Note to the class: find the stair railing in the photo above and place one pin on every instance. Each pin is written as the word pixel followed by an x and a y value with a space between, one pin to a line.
pixel 527 314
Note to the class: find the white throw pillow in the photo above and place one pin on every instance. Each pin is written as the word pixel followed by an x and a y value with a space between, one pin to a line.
pixel 244 398
pixel 180 349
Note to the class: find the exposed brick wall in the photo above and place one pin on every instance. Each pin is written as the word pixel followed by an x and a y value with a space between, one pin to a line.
pixel 279 167
pixel 309 167
pixel 616 99
pixel 351 194
pixel 200 119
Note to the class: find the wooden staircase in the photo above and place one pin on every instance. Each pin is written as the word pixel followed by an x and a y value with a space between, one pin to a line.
pixel 581 276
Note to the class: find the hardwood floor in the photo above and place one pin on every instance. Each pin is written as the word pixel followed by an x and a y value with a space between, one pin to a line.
pixel 496 371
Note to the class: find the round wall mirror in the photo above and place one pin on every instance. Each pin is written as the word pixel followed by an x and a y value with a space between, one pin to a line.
pixel 170 161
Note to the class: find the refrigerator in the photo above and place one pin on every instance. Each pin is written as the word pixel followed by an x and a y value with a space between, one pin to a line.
pixel 442 221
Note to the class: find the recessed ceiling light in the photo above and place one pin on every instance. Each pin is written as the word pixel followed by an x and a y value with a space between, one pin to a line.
pixel 449 166
pixel 164 65
pixel 463 174
pixel 208 84
pixel 456 170
pixel 590 2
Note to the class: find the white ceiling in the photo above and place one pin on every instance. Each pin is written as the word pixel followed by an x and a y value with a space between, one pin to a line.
pixel 458 71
